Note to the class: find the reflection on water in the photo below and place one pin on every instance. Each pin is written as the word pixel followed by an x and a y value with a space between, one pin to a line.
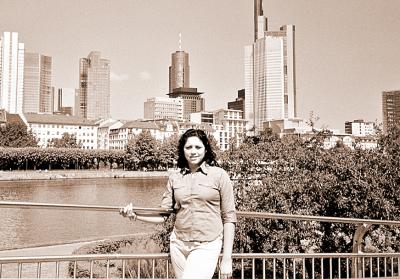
pixel 30 227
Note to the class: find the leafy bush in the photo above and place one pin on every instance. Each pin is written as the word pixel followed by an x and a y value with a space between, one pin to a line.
pixel 136 244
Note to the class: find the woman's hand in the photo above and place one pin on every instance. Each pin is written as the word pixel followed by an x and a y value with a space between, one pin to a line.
pixel 226 268
pixel 127 211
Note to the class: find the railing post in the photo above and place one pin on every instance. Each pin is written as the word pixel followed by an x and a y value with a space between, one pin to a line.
pixel 356 266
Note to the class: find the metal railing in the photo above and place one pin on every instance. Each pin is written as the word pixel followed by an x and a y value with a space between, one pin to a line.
pixel 286 266
pixel 84 266
pixel 315 266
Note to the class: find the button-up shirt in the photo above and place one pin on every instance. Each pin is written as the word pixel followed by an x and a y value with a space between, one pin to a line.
pixel 203 201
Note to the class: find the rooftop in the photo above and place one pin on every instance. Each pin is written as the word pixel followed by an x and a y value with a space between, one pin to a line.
pixel 140 125
pixel 58 119
pixel 6 117
pixel 184 91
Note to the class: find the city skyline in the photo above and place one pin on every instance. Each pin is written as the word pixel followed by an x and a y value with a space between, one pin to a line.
pixel 346 51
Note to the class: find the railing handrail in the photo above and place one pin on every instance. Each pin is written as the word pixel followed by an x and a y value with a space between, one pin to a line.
pixel 164 211
pixel 298 217
pixel 86 257
pixel 33 205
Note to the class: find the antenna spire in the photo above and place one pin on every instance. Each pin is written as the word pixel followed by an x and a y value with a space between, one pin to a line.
pixel 180 41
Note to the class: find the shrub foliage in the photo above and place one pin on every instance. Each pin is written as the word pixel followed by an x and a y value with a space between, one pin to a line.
pixel 142 152
pixel 295 176
pixel 33 158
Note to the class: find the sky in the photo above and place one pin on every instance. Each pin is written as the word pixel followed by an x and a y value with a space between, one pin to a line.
pixel 347 51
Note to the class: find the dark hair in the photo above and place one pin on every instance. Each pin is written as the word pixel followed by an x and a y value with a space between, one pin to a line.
pixel 209 156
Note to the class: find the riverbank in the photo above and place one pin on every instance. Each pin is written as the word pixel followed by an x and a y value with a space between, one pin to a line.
pixel 79 174
pixel 53 250
pixel 65 249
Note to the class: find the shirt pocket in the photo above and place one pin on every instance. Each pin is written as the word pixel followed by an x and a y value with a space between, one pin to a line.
pixel 209 183
pixel 208 190
pixel 180 191
pixel 178 186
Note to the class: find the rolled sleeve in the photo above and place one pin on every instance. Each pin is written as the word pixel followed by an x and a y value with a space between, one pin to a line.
pixel 228 211
pixel 167 198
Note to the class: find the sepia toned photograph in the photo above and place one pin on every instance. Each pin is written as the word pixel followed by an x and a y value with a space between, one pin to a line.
pixel 199 139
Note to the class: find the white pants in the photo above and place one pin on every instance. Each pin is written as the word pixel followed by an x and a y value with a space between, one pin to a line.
pixel 194 260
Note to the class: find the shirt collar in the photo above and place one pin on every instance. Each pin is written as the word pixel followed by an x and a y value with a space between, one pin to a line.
pixel 203 168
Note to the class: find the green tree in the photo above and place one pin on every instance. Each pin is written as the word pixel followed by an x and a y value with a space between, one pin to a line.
pixel 168 153
pixel 16 135
pixel 214 146
pixel 66 141
pixel 143 151
pixel 50 158
pixel 296 176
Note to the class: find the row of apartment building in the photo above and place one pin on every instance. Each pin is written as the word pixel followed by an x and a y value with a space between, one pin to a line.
pixel 224 125
pixel 227 126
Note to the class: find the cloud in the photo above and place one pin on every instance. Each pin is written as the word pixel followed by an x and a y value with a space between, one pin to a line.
pixel 117 77
pixel 144 75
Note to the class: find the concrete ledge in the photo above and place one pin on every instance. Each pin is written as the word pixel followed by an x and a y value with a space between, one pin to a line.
pixel 79 174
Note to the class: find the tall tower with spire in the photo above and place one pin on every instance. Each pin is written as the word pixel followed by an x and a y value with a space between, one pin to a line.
pixel 179 86
pixel 179 70
pixel 269 66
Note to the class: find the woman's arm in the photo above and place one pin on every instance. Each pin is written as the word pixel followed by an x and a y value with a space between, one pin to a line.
pixel 166 203
pixel 151 219
pixel 226 263
pixel 127 211
pixel 229 219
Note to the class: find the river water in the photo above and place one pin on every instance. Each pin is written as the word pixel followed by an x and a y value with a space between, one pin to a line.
pixel 33 227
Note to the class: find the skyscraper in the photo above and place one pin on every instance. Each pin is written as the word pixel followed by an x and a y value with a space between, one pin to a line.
pixel 179 75
pixel 390 109
pixel 179 71
pixel 38 93
pixel 269 66
pixel 11 72
pixel 94 86
pixel 179 84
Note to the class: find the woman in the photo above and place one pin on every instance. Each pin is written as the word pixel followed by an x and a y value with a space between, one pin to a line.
pixel 201 195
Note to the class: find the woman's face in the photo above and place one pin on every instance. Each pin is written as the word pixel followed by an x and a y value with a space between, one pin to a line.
pixel 194 152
